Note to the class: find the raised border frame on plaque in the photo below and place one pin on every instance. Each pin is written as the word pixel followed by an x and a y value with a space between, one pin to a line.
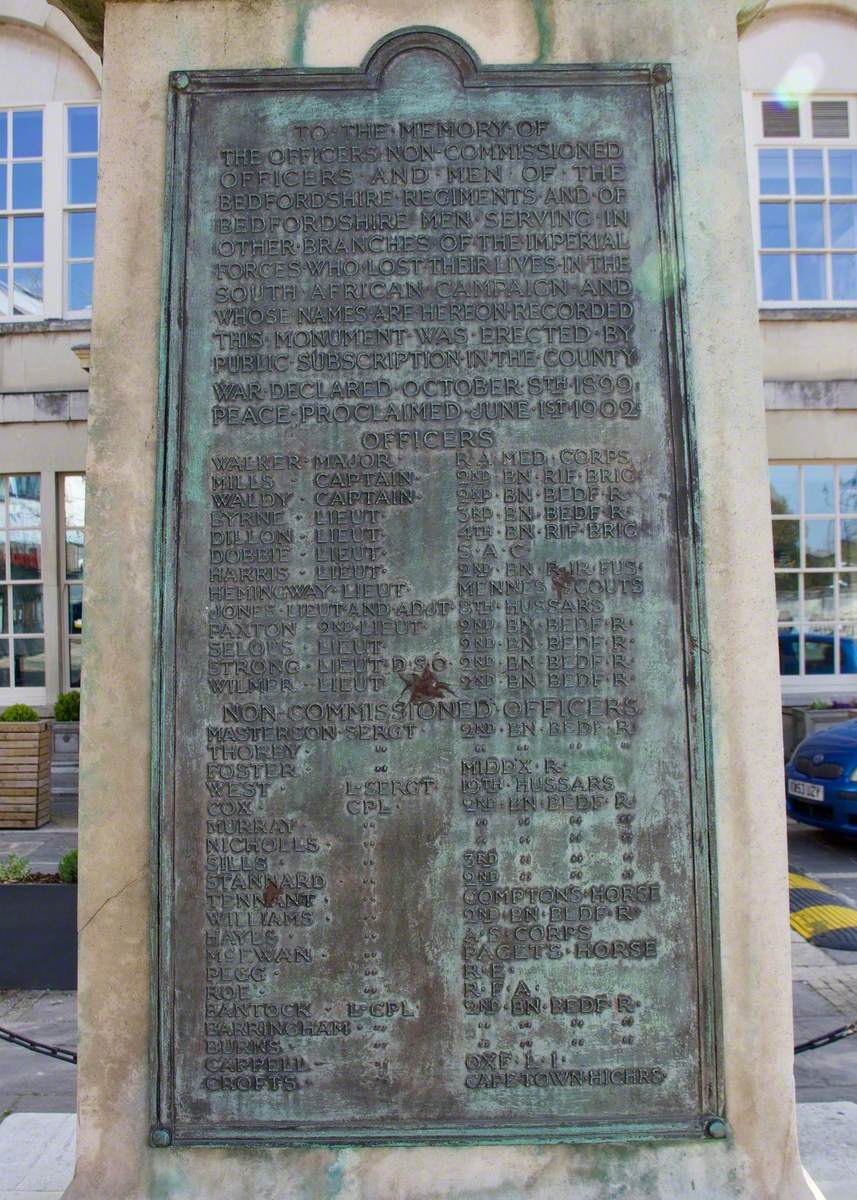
pixel 654 84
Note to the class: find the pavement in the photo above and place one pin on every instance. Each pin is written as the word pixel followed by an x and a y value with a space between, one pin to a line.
pixel 827 1134
pixel 37 1094
pixel 824 982
pixel 34 1083
pixel 37 1155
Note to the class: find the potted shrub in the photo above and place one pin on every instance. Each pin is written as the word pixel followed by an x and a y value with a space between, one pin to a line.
pixel 65 764
pixel 25 768
pixel 38 925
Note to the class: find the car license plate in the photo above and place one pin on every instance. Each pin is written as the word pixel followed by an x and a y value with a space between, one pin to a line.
pixel 806 791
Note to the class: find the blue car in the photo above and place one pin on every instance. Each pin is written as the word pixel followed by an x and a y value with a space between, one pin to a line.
pixel 821 779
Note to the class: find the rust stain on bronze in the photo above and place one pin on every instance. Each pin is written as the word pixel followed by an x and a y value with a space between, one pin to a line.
pixel 425 686
pixel 560 577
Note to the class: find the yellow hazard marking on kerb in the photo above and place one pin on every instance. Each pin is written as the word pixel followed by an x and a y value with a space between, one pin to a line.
pixel 823 918
pixel 804 881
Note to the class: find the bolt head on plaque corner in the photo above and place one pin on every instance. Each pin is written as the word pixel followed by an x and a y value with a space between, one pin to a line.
pixel 662 73
pixel 161 1137
pixel 180 80
pixel 717 1128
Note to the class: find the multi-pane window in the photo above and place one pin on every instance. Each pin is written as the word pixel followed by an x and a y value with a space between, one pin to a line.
pixel 81 180
pixel 22 219
pixel 48 181
pixel 814 520
pixel 806 168
pixel 74 504
pixel 22 622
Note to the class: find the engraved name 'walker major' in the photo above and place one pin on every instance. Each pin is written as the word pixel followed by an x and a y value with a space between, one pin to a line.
pixel 431 789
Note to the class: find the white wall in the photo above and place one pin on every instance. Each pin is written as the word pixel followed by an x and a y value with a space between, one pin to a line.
pixel 815 41
pixel 41 16
pixel 36 68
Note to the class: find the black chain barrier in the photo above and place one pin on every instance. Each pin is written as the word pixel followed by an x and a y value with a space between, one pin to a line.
pixel 70 1056
pixel 18 1039
pixel 835 1035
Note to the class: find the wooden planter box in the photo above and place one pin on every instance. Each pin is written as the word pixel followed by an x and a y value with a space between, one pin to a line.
pixel 38 933
pixel 25 774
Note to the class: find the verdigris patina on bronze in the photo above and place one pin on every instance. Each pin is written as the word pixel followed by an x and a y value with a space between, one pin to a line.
pixel 431 806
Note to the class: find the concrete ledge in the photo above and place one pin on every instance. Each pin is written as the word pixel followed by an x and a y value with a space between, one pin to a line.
pixel 18 407
pixel 820 394
pixel 808 314
pixel 50 325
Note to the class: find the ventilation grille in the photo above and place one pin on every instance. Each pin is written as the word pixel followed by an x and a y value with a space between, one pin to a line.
pixel 780 119
pixel 824 770
pixel 830 118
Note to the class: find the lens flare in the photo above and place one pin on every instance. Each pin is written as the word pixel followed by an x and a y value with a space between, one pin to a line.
pixel 657 277
pixel 802 78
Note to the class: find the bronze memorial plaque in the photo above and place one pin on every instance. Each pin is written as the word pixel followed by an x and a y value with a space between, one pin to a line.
pixel 431 796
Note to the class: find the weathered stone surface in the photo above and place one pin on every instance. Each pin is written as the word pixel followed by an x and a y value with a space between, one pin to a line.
pixel 748 10
pixel 87 16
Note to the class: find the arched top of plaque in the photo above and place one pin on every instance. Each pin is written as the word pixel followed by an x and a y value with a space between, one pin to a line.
pixel 419 41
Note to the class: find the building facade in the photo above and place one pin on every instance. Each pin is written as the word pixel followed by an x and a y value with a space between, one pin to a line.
pixel 799 76
pixel 49 121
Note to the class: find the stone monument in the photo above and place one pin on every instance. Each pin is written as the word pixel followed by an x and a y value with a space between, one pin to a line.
pixel 426 421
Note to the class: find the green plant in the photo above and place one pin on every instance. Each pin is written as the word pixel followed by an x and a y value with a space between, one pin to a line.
pixel 821 703
pixel 19 712
pixel 67 706
pixel 67 869
pixel 14 869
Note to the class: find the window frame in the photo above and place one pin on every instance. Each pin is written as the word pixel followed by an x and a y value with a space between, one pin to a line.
pixel 835 683
pixel 756 141
pixel 69 208
pixel 34 695
pixel 55 209
pixel 69 639
pixel 12 215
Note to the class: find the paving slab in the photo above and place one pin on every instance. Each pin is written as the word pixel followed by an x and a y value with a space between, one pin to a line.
pixel 830 1072
pixel 827 1134
pixel 32 1082
pixel 824 981
pixel 37 1154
